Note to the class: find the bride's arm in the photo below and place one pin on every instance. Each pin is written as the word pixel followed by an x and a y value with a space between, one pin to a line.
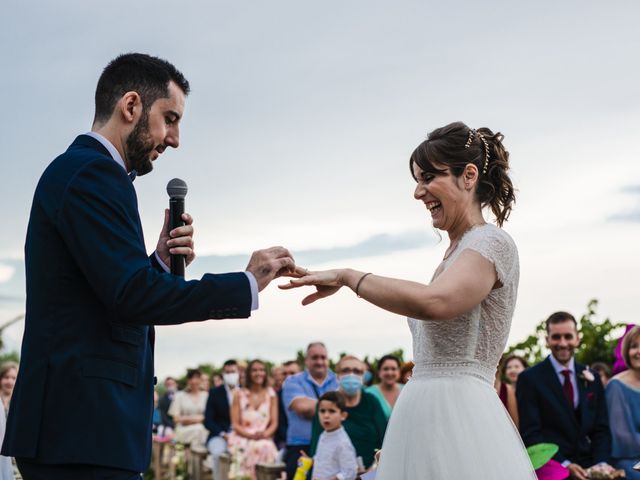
pixel 455 291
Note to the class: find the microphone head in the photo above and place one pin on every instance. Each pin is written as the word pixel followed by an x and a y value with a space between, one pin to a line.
pixel 177 188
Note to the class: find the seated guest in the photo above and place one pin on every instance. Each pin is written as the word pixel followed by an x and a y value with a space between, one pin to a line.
pixel 217 380
pixel 6 468
pixel 406 371
pixel 366 422
pixel 603 370
pixel 300 395
pixel 512 367
pixel 288 368
pixel 217 413
pixel 170 389
pixel 205 383
pixel 388 390
pixel 8 375
pixel 623 399
pixel 277 377
pixel 254 419
pixel 507 394
pixel 562 402
pixel 187 411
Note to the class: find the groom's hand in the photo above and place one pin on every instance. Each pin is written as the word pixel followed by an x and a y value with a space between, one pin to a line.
pixel 271 263
pixel 178 241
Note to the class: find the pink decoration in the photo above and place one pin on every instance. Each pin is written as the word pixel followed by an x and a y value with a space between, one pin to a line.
pixel 552 470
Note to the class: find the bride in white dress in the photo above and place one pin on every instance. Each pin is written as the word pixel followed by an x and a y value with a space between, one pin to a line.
pixel 448 422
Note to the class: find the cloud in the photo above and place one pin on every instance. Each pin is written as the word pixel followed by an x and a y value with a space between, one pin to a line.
pixel 12 278
pixel 373 246
pixel 631 215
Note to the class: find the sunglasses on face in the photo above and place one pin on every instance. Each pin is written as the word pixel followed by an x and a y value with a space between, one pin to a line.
pixel 355 371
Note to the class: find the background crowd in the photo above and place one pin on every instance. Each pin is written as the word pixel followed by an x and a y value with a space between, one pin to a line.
pixel 259 413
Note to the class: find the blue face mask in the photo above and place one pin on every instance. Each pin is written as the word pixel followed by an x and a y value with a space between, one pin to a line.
pixel 368 376
pixel 351 384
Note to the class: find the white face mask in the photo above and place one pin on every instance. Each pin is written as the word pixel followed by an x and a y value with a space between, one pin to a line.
pixel 231 379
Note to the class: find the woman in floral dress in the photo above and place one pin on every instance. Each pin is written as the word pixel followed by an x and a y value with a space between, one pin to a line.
pixel 254 420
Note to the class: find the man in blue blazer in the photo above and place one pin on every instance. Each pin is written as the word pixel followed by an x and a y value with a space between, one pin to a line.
pixel 217 413
pixel 82 405
pixel 563 402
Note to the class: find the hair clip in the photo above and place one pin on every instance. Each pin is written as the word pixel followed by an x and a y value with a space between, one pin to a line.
pixel 472 133
pixel 486 153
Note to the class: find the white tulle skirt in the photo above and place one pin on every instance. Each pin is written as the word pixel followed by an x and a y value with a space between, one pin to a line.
pixel 452 427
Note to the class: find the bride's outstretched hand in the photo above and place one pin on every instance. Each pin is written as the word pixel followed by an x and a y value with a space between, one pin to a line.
pixel 327 283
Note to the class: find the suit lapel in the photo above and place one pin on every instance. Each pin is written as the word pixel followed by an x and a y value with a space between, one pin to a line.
pixel 556 389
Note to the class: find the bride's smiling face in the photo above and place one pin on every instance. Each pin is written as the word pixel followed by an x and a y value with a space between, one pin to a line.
pixel 442 195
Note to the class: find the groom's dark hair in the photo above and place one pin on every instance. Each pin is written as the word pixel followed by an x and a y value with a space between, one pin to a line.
pixel 138 72
pixel 560 317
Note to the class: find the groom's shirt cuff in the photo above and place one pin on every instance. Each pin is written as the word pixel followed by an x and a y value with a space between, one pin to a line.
pixel 253 283
pixel 162 264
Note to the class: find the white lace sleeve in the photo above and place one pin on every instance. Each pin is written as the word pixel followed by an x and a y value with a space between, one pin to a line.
pixel 499 248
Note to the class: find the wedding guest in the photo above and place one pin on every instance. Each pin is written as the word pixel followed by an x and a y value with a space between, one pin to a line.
pixel 6 468
pixel 623 399
pixel 406 371
pixel 8 375
pixel 217 414
pixel 277 377
pixel 562 402
pixel 369 374
pixel 170 389
pixel 187 410
pixel 618 364
pixel 300 395
pixel 254 419
pixel 512 367
pixel 205 383
pixel 217 380
pixel 335 456
pixel 366 422
pixel 388 390
pixel 507 393
pixel 603 370
pixel 288 368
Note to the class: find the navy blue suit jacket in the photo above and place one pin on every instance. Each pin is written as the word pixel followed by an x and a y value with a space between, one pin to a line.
pixel 547 416
pixel 217 413
pixel 84 393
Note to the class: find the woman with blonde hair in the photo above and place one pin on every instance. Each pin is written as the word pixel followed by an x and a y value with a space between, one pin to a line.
pixel 623 401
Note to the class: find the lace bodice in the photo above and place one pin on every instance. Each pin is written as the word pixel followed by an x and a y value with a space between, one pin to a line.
pixel 474 341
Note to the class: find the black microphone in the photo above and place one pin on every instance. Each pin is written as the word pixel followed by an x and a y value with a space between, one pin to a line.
pixel 177 190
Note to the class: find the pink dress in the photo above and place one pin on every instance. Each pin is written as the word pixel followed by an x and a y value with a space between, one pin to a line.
pixel 246 453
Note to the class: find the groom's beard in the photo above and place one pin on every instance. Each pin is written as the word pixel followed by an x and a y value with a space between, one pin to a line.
pixel 139 146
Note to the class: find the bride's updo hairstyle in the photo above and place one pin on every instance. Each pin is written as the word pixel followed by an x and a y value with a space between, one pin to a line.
pixel 456 145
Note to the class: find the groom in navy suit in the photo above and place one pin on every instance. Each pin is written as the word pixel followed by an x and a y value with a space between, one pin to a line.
pixel 563 402
pixel 83 402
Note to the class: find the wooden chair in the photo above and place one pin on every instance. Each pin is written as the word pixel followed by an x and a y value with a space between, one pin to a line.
pixel 225 466
pixel 161 454
pixel 271 471
pixel 197 469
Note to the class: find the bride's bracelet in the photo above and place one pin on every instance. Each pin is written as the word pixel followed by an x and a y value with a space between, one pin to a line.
pixel 359 282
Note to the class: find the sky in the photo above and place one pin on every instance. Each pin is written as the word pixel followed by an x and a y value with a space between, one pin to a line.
pixel 298 131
